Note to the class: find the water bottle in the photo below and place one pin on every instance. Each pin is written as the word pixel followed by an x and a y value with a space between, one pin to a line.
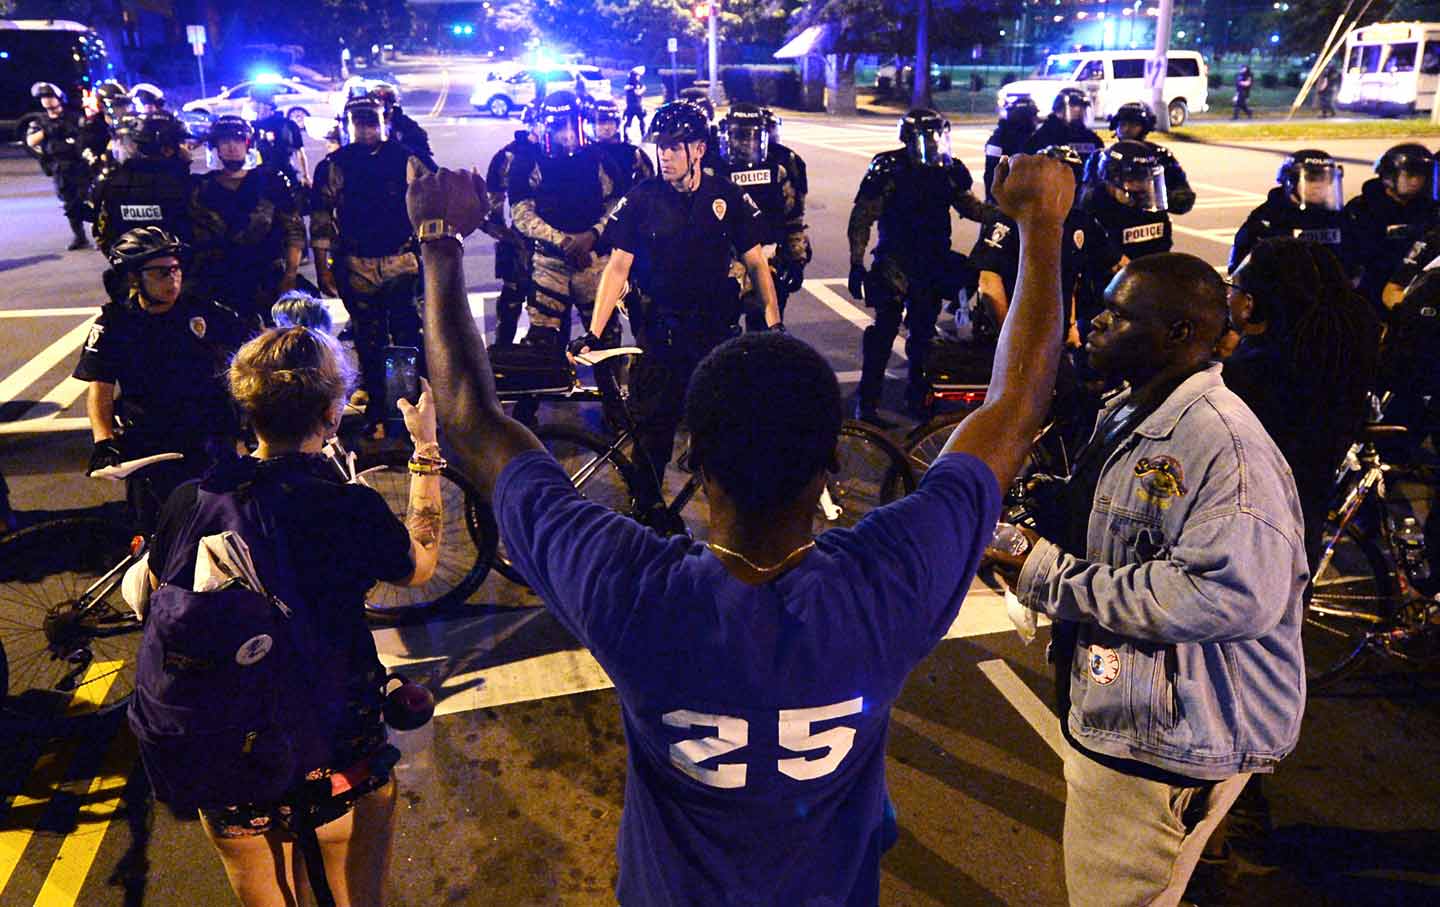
pixel 1010 540
pixel 1410 539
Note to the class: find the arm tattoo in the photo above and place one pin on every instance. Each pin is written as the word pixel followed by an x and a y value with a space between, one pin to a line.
pixel 423 521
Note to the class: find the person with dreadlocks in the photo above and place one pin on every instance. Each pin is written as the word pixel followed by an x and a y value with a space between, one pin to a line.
pixel 1305 364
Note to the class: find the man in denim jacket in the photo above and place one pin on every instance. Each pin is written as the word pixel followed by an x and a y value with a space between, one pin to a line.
pixel 1175 580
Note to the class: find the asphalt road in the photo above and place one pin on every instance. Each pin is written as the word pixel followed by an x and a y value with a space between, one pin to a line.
pixel 513 794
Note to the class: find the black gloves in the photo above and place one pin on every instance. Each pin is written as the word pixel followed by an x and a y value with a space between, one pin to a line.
pixel 790 276
pixel 106 453
pixel 856 284
pixel 580 344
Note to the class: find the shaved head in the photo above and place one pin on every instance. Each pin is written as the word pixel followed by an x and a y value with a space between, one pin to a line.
pixel 1178 287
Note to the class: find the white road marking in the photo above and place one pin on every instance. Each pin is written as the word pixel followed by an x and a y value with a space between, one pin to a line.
pixel 1024 701
pixel 47 359
pixel 70 312
pixel 847 309
pixel 1225 236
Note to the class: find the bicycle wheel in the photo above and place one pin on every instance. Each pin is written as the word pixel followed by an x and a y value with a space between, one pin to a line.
pixel 604 479
pixel 467 541
pixel 926 440
pixel 873 472
pixel 1351 598
pixel 69 647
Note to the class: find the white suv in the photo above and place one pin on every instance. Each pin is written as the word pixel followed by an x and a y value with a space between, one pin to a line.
pixel 1115 77
pixel 499 94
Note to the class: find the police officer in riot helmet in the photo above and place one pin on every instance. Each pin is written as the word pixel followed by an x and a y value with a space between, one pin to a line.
pixel 403 128
pixel 150 189
pixel 278 139
pixel 1066 125
pixel 747 162
pixel 701 99
pixel 910 192
pixel 56 137
pixel 1134 121
pixel 630 162
pixel 1018 116
pixel 1392 213
pixel 512 251
pixel 1126 194
pixel 95 127
pixel 674 237
pixel 365 245
pixel 786 156
pixel 1307 204
pixel 559 202
pixel 112 141
pixel 249 236
pixel 147 98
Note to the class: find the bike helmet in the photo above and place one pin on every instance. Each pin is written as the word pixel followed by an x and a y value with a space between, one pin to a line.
pixel 42 90
pixel 1019 109
pixel 926 137
pixel 701 99
pixel 154 132
pixel 565 127
pixel 1314 178
pixel 1411 158
pixel 146 94
pixel 744 136
pixel 1134 174
pixel 1133 112
pixel 135 247
pixel 1072 105
pixel 678 121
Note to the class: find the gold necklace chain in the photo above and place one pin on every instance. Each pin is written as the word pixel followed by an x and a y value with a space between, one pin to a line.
pixel 721 549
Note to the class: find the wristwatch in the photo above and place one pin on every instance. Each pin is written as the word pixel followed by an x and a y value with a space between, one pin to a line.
pixel 437 228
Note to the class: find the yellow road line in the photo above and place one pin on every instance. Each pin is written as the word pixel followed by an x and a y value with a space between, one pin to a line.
pixel 49 770
pixel 77 853
pixel 444 93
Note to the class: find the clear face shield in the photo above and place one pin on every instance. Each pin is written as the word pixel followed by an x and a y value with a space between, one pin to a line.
pixel 1321 186
pixel 1075 111
pixel 232 154
pixel 744 144
pixel 607 128
pixel 930 147
pixel 1414 178
pixel 1141 188
pixel 364 126
pixel 565 135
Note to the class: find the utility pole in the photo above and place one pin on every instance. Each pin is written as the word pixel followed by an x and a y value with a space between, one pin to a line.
pixel 714 30
pixel 1159 64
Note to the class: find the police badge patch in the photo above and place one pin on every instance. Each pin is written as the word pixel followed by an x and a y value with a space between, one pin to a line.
pixel 197 327
pixel 1078 239
pixel 92 341
pixel 718 206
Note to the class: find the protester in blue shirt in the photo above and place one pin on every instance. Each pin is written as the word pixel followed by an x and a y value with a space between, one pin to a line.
pixel 755 673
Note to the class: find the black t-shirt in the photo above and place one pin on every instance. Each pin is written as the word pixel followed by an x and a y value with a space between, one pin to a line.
pixel 170 370
pixel 342 539
pixel 683 243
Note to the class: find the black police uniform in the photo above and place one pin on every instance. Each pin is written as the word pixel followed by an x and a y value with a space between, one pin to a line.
pixel 782 213
pixel 1056 130
pixel 629 163
pixel 60 158
pixel 359 218
pixel 1008 138
pixel 277 138
pixel 512 252
pixel 1279 216
pixel 1417 257
pixel 688 304
pixel 412 135
pixel 143 192
pixel 1136 232
pixel 794 164
pixel 241 236
pixel 634 108
pixel 913 262
pixel 1385 230
pixel 95 138
pixel 171 393
pixel 1088 256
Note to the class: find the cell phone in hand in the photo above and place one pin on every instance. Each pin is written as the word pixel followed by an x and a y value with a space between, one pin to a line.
pixel 402 379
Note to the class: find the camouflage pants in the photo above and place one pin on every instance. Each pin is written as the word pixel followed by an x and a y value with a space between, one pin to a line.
pixel 379 294
pixel 555 290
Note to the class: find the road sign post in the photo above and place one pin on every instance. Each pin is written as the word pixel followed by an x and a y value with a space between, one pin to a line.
pixel 195 34
pixel 673 46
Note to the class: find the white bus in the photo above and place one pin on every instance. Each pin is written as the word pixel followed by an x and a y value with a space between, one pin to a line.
pixel 1391 68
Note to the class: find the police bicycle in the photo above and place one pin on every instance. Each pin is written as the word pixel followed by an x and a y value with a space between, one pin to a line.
pixel 873 470
pixel 69 640
pixel 1364 598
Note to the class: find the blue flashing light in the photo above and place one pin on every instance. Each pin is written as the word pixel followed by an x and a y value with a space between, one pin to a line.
pixel 266 77
pixel 4 54
pixel 469 29
pixel 1274 39
pixel 457 29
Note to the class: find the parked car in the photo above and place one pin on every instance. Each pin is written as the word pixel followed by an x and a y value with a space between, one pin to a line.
pixel 1115 77
pixel 885 77
pixel 499 96
pixel 296 98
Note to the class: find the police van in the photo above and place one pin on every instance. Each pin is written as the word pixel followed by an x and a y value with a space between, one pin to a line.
pixel 46 50
pixel 1391 68
pixel 1115 77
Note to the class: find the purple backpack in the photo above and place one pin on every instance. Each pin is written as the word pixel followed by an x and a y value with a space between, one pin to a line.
pixel 237 694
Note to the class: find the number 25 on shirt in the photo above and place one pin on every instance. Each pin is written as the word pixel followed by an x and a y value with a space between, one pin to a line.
pixel 732 734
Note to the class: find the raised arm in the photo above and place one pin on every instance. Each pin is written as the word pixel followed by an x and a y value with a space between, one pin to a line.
pixel 1036 193
pixel 477 432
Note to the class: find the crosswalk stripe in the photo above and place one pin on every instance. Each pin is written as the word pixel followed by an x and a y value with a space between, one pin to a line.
pixel 48 358
pixel 847 310
pixel 52 313
pixel 77 853
pixel 1024 701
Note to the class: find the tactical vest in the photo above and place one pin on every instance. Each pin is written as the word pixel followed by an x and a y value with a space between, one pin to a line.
pixel 370 212
pixel 148 192
pixel 570 197
pixel 763 185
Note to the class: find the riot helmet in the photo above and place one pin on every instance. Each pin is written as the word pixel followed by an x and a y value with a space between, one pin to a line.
pixel 42 90
pixel 1069 157
pixel 1132 114
pixel 388 96
pixel 155 132
pixel 773 122
pixel 1072 105
pixel 1019 111
pixel 149 98
pixel 1134 175
pixel 363 122
pixel 744 138
pixel 926 137
pixel 261 102
pixel 604 118
pixel 112 99
pixel 1313 179
pixel 230 130
pixel 1408 170
pixel 564 127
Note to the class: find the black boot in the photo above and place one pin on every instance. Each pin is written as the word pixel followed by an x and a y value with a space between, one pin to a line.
pixel 77 227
